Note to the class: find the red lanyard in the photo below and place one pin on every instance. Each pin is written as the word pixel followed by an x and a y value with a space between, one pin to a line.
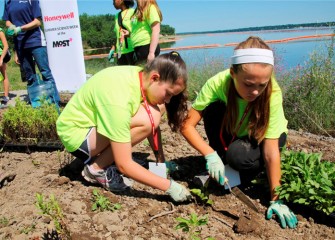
pixel 146 105
pixel 238 128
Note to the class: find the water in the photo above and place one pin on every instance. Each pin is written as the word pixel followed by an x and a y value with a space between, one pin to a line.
pixel 288 54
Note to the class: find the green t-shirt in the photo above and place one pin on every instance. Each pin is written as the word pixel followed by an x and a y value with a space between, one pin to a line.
pixel 141 30
pixel 107 101
pixel 216 88
pixel 126 15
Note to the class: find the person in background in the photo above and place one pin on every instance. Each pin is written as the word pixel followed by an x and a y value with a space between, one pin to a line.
pixel 145 29
pixel 124 46
pixel 23 19
pixel 244 121
pixel 4 59
pixel 116 109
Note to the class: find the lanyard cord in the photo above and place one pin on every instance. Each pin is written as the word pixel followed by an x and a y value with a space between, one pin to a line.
pixel 146 105
pixel 238 128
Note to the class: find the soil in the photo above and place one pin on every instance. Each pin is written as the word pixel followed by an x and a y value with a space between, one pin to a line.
pixel 145 213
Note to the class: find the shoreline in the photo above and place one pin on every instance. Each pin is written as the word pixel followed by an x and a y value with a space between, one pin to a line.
pixel 205 46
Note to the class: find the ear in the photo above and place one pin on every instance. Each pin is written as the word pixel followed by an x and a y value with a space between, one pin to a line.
pixel 154 76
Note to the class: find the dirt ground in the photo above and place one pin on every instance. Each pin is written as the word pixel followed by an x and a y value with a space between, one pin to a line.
pixel 55 172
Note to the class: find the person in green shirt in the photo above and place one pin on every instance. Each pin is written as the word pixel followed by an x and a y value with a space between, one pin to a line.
pixel 4 59
pixel 118 108
pixel 244 121
pixel 124 46
pixel 145 29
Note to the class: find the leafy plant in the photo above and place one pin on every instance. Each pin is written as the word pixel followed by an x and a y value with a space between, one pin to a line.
pixel 192 225
pixel 102 203
pixel 307 180
pixel 4 221
pixel 202 194
pixel 23 122
pixel 52 209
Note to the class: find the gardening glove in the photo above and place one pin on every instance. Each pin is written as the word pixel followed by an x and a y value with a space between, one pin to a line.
pixel 13 30
pixel 178 192
pixel 286 216
pixel 172 166
pixel 111 56
pixel 215 167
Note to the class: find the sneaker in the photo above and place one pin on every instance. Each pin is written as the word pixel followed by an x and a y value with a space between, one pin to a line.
pixel 110 179
pixel 4 100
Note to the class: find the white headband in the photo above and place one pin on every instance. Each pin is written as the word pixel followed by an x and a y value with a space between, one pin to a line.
pixel 252 55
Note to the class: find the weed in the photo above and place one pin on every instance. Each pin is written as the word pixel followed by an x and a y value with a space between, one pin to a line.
pixel 4 221
pixel 28 229
pixel 102 203
pixel 52 209
pixel 192 225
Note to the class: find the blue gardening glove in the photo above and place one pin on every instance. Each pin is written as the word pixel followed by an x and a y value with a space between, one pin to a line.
pixel 178 192
pixel 286 216
pixel 172 166
pixel 215 167
pixel 111 56
pixel 13 30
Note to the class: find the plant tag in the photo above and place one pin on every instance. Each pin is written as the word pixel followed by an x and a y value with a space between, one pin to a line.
pixel 158 169
pixel 233 177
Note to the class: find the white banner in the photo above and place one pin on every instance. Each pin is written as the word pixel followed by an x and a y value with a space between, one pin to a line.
pixel 64 43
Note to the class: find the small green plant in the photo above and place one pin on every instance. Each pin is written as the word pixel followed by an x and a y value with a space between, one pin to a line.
pixel 307 180
pixel 102 203
pixel 28 229
pixel 202 194
pixel 192 225
pixel 52 209
pixel 4 221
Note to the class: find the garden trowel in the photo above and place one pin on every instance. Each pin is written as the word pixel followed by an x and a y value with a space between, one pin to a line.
pixel 241 196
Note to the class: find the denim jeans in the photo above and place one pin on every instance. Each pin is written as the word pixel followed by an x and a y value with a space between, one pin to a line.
pixel 37 55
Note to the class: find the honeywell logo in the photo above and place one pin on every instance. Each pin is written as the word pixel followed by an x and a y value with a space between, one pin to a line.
pixel 59 17
pixel 62 43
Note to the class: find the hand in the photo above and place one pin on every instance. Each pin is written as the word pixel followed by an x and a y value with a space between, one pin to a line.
pixel 215 167
pixel 111 56
pixel 13 30
pixel 286 216
pixel 178 192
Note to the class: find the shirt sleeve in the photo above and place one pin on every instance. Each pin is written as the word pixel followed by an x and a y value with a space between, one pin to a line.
pixel 153 15
pixel 36 9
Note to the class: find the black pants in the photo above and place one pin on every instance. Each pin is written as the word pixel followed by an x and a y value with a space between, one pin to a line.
pixel 142 52
pixel 244 154
pixel 126 59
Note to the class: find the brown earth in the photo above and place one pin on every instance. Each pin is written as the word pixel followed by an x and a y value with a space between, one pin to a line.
pixel 55 172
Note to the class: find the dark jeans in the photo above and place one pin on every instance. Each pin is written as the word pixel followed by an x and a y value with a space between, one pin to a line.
pixel 244 154
pixel 142 52
pixel 126 59
pixel 28 57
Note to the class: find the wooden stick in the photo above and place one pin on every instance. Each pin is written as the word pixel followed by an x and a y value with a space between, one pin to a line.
pixel 163 213
pixel 223 221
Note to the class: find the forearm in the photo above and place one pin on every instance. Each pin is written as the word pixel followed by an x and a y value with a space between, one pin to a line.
pixel 154 38
pixel 144 176
pixel 272 164
pixel 33 24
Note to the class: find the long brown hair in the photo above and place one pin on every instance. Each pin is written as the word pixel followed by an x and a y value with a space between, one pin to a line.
pixel 143 7
pixel 260 108
pixel 172 67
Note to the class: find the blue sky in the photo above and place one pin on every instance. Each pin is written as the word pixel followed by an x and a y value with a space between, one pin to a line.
pixel 207 15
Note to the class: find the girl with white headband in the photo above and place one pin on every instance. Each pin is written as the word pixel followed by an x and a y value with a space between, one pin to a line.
pixel 244 121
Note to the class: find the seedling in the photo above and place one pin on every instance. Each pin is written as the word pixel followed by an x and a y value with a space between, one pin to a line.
pixel 52 209
pixel 192 225
pixel 102 203
pixel 202 194
pixel 28 229
pixel 4 221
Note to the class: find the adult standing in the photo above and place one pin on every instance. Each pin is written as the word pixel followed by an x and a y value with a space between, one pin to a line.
pixel 145 25
pixel 244 121
pixel 23 19
pixel 124 46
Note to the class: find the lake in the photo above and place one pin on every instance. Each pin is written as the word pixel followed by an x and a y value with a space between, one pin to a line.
pixel 288 54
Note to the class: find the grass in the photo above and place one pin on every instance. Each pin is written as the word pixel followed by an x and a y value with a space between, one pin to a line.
pixel 308 90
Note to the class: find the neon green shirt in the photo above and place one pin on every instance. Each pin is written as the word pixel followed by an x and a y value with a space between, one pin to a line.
pixel 141 31
pixel 1 44
pixel 216 88
pixel 106 101
pixel 126 15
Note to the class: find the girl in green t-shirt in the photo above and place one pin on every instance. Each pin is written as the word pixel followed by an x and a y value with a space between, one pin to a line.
pixel 244 121
pixel 4 58
pixel 117 108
